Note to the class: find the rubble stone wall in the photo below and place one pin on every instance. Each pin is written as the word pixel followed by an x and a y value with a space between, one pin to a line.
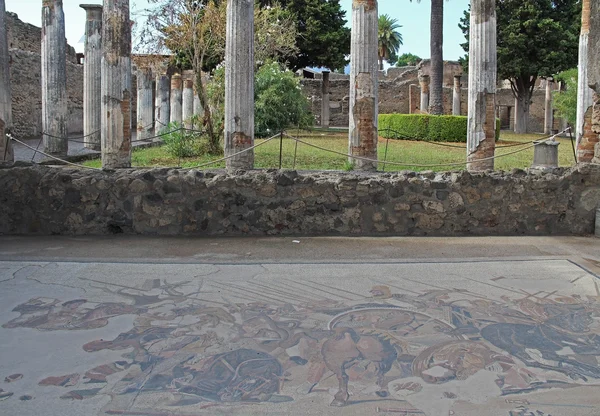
pixel 47 200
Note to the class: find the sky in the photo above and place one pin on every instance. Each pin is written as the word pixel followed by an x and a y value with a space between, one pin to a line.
pixel 413 16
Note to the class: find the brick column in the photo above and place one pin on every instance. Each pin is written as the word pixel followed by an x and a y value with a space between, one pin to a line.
pixel 162 107
pixel 145 104
pixel 481 130
pixel 6 153
pixel 92 76
pixel 176 99
pixel 363 84
pixel 116 85
pixel 414 99
pixel 54 78
pixel 424 84
pixel 239 84
pixel 584 92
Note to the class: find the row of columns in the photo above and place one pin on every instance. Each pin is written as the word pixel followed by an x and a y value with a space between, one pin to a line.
pixel 424 81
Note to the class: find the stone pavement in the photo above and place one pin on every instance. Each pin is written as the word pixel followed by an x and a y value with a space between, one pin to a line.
pixel 321 326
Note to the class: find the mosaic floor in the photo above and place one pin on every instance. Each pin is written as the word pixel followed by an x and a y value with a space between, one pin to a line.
pixel 514 338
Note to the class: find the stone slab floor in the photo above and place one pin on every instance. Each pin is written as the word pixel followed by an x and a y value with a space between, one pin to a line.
pixel 315 326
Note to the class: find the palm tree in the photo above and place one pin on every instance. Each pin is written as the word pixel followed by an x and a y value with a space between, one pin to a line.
pixel 389 38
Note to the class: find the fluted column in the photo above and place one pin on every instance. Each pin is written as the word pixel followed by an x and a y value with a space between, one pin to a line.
pixel 456 96
pixel 6 153
pixel 54 78
pixel 363 83
pixel 424 84
pixel 584 92
pixel 145 104
pixel 548 119
pixel 92 76
pixel 116 85
pixel 188 98
pixel 239 84
pixel 481 131
pixel 176 110
pixel 162 115
pixel 325 100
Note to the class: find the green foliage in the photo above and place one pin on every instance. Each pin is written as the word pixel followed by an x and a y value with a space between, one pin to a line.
pixel 349 166
pixel 408 59
pixel 389 39
pixel 536 38
pixel 426 127
pixel 323 38
pixel 279 101
pixel 183 143
pixel 565 101
pixel 215 94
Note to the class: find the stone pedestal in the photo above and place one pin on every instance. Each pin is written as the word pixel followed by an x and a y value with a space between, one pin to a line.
pixel 456 96
pixel 176 99
pixel 481 128
pixel 545 155
pixel 145 104
pixel 548 118
pixel 364 84
pixel 325 100
pixel 188 99
pixel 424 84
pixel 54 78
pixel 239 84
pixel 162 110
pixel 92 76
pixel 6 153
pixel 116 85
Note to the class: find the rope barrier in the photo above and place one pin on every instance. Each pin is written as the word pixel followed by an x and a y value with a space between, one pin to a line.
pixel 50 156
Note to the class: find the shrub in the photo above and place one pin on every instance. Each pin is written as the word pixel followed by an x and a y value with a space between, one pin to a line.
pixel 426 127
pixel 183 143
pixel 565 101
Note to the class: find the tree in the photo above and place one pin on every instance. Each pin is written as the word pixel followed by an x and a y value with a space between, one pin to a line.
pixel 322 37
pixel 536 38
pixel 436 74
pixel 408 59
pixel 565 101
pixel 389 39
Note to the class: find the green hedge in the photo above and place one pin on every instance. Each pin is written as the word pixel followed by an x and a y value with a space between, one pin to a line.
pixel 426 127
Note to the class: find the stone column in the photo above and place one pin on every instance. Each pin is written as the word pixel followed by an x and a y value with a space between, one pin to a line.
pixel 54 78
pixel 145 104
pixel 325 100
pixel 456 96
pixel 176 109
pixel 92 76
pixel 363 84
pixel 6 153
pixel 162 115
pixel 481 130
pixel 198 110
pixel 188 98
pixel 424 83
pixel 548 119
pixel 239 84
pixel 116 85
pixel 593 72
pixel 414 99
pixel 584 92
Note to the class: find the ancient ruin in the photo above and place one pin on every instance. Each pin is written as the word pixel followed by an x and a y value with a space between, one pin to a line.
pixel 481 131
pixel 239 84
pixel 5 95
pixel 584 93
pixel 145 104
pixel 187 98
pixel 54 78
pixel 363 84
pixel 92 76
pixel 162 111
pixel 176 99
pixel 593 73
pixel 116 85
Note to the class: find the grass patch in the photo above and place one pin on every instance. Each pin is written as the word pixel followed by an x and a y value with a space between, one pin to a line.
pixel 308 158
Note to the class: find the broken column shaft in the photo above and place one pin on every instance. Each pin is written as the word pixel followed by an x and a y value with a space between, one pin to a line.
pixel 456 96
pixel 163 103
pixel 239 84
pixel 188 98
pixel 92 76
pixel 424 84
pixel 116 85
pixel 325 100
pixel 363 84
pixel 145 104
pixel 481 130
pixel 548 119
pixel 176 110
pixel 6 153
pixel 54 78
